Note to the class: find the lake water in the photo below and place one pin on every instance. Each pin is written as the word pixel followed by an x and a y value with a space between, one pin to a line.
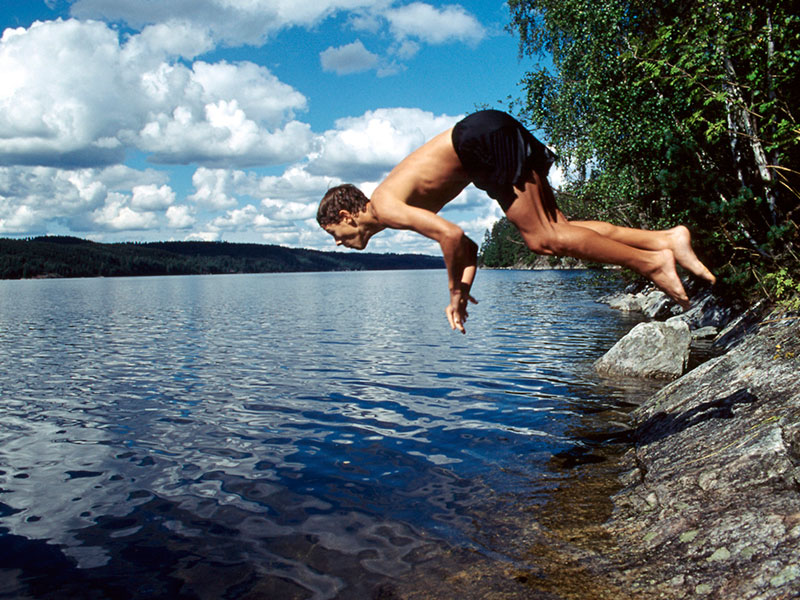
pixel 282 435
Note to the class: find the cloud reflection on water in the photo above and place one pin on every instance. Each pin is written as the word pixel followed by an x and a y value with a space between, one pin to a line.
pixel 307 428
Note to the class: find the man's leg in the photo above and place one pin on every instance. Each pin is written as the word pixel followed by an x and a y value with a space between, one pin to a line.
pixel 678 239
pixel 545 231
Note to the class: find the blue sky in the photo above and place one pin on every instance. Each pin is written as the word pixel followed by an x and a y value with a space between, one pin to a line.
pixel 227 120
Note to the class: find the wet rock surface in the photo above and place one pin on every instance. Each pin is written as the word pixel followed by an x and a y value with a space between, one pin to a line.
pixel 671 342
pixel 711 500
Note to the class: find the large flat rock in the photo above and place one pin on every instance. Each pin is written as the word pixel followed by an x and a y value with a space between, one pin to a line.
pixel 711 502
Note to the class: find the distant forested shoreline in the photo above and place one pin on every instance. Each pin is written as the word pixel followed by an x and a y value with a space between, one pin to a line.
pixel 64 256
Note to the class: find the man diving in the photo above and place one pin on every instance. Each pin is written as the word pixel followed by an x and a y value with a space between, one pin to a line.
pixel 495 152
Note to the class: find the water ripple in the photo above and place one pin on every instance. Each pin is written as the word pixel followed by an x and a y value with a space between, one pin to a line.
pixel 286 435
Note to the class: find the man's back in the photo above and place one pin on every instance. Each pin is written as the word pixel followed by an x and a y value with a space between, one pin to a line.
pixel 427 178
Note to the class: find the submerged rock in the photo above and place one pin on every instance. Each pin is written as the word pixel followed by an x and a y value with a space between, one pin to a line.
pixel 654 350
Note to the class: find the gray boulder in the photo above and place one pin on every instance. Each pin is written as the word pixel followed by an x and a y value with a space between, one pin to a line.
pixel 652 303
pixel 625 302
pixel 653 350
pixel 740 327
pixel 705 333
pixel 658 306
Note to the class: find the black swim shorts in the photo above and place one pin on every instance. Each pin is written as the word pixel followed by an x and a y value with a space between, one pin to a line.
pixel 498 153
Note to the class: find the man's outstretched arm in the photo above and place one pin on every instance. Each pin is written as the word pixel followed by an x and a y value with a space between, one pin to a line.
pixel 460 286
pixel 460 253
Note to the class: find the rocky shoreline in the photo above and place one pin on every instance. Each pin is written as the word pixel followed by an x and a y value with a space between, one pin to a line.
pixel 693 492
pixel 710 498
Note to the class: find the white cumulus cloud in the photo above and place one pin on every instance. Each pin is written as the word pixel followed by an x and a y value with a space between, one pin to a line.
pixel 288 211
pixel 73 95
pixel 34 198
pixel 217 188
pixel 365 147
pixel 244 218
pixel 150 197
pixel 170 39
pixel 63 98
pixel 351 58
pixel 296 183
pixel 117 215
pixel 81 97
pixel 434 25
pixel 180 217
pixel 231 22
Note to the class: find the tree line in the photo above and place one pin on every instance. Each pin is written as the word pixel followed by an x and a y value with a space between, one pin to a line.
pixel 65 256
pixel 679 111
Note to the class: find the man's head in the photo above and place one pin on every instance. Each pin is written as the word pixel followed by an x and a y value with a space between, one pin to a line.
pixel 340 213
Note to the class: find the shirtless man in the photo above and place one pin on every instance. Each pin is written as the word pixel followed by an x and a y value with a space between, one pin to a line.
pixel 496 153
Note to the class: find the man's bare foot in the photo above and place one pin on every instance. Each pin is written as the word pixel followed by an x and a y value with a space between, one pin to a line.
pixel 681 246
pixel 666 277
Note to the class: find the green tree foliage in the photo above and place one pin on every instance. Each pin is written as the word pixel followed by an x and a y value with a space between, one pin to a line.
pixel 503 247
pixel 676 111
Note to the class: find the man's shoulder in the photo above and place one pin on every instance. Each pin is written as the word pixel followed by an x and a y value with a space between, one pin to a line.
pixel 386 201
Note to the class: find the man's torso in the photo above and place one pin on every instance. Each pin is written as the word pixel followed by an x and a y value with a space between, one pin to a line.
pixel 428 178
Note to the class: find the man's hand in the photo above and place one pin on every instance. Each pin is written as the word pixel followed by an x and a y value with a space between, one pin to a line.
pixel 457 309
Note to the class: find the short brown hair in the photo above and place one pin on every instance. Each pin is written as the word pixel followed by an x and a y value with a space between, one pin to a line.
pixel 342 197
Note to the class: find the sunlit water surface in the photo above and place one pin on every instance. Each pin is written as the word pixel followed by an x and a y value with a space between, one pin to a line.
pixel 280 435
